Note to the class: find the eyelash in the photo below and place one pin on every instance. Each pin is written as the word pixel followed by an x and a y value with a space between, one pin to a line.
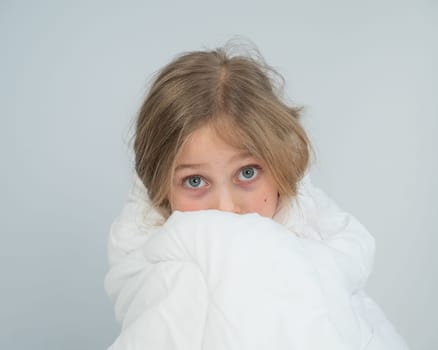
pixel 253 166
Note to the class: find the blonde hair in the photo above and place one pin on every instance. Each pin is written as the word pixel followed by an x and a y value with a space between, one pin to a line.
pixel 236 95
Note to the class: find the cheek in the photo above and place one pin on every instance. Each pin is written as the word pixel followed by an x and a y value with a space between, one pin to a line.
pixel 264 203
pixel 186 203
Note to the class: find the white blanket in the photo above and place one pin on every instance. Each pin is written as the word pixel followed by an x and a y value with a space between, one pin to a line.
pixel 215 280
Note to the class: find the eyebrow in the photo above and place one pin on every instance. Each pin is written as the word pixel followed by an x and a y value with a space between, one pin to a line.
pixel 189 166
pixel 237 157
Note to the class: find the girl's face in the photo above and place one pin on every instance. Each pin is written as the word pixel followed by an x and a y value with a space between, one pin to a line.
pixel 211 174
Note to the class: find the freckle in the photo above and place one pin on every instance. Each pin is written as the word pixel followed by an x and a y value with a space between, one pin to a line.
pixel 265 200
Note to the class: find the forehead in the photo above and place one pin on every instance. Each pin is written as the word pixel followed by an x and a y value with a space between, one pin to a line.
pixel 206 145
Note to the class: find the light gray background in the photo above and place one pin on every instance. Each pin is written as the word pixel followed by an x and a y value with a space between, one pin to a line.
pixel 73 75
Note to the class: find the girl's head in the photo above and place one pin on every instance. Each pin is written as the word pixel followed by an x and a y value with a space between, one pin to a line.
pixel 213 133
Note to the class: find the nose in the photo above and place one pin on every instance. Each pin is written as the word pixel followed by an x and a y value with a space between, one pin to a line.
pixel 226 200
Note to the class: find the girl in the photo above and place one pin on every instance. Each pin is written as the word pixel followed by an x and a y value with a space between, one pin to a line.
pixel 224 243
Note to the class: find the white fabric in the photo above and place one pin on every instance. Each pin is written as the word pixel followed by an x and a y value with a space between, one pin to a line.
pixel 214 280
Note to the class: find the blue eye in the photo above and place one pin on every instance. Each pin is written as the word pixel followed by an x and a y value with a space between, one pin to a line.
pixel 248 173
pixel 194 182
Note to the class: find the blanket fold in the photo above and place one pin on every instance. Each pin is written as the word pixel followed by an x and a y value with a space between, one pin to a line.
pixel 215 280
